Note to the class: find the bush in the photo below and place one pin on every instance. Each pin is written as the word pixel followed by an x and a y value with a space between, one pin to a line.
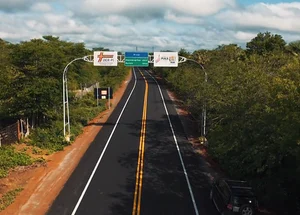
pixel 48 137
pixel 51 136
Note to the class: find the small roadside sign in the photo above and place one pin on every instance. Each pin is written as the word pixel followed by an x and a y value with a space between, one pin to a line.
pixel 138 59
pixel 103 93
pixel 104 58
pixel 165 59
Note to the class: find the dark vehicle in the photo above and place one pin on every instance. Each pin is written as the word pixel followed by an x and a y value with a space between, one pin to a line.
pixel 233 197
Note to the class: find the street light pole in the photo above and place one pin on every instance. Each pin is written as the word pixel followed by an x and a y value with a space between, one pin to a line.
pixel 66 100
pixel 203 131
pixel 88 58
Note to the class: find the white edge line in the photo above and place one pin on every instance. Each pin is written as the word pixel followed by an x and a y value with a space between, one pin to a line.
pixel 103 151
pixel 178 149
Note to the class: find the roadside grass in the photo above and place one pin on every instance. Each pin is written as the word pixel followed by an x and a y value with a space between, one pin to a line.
pixel 9 198
pixel 11 158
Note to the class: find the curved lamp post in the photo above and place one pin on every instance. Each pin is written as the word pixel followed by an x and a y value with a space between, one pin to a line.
pixel 66 111
pixel 203 131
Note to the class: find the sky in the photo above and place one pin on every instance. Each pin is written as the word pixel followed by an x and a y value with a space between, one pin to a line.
pixel 147 25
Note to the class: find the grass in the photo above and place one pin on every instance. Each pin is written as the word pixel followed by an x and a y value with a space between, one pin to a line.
pixel 9 198
pixel 10 158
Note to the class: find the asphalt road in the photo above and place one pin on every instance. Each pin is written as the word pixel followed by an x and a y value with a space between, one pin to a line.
pixel 140 162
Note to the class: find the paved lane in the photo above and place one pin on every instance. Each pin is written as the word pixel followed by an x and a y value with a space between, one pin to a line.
pixel 141 141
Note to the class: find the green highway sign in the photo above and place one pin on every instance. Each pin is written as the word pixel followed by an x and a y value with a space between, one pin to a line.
pixel 138 59
pixel 136 62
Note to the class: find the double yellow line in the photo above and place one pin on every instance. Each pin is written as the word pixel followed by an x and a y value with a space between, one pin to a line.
pixel 139 172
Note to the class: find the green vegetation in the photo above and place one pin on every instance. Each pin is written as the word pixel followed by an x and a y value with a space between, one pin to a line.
pixel 253 112
pixel 31 87
pixel 8 198
pixel 10 159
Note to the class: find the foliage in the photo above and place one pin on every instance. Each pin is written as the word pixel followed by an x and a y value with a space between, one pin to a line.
pixel 265 43
pixel 50 136
pixel 252 98
pixel 294 47
pixel 10 159
pixel 31 87
pixel 183 52
pixel 8 198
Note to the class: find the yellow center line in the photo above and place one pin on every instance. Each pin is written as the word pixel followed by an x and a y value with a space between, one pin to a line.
pixel 139 172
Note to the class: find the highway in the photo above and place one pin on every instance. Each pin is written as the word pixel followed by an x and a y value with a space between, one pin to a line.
pixel 140 162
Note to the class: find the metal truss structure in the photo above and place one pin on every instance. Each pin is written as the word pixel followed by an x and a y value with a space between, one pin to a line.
pixel 121 59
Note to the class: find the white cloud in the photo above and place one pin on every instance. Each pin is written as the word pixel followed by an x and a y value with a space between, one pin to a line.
pixel 60 24
pixel 41 7
pixel 137 8
pixel 244 36
pixel 182 19
pixel 200 7
pixel 113 20
pixel 283 17
pixel 35 25
pixel 123 25
pixel 114 31
pixel 28 26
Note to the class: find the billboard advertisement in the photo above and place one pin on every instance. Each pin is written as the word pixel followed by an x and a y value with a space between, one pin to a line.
pixel 165 59
pixel 104 58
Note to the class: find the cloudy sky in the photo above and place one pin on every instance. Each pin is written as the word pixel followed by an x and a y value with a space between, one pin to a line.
pixel 123 25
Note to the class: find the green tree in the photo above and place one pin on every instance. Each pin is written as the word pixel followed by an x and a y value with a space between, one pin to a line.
pixel 36 88
pixel 294 47
pixel 7 73
pixel 201 56
pixel 184 53
pixel 265 43
pixel 100 49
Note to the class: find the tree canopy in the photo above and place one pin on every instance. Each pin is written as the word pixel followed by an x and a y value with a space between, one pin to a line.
pixel 31 86
pixel 265 43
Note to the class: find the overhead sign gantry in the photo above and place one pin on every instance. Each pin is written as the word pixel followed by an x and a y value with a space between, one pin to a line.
pixel 132 59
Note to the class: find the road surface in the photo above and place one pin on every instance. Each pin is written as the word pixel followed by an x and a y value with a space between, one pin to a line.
pixel 140 162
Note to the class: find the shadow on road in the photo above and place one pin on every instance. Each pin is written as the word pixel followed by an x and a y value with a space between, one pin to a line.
pixel 165 190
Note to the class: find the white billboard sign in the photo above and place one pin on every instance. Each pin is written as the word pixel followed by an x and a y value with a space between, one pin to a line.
pixel 165 59
pixel 104 58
